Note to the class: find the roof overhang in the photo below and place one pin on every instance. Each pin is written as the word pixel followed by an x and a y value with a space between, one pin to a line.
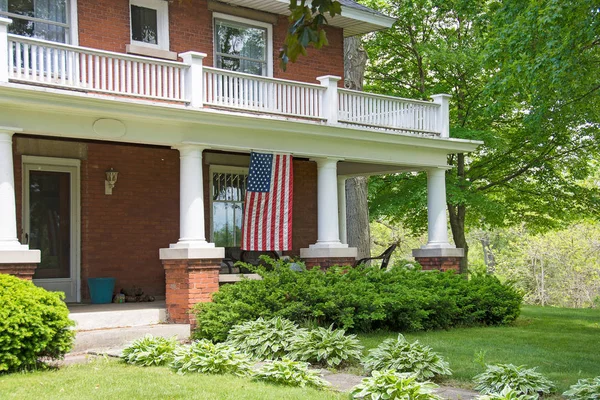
pixel 353 21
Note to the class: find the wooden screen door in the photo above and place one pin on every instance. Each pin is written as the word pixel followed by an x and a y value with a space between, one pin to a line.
pixel 51 221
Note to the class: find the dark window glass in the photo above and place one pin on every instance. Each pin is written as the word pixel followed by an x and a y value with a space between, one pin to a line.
pixel 144 25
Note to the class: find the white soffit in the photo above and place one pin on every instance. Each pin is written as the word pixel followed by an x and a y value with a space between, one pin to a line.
pixel 353 21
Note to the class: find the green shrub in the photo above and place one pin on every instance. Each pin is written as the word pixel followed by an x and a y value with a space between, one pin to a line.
pixel 390 384
pixel 584 389
pixel 264 339
pixel 403 356
pixel 360 299
pixel 290 373
pixel 508 394
pixel 150 350
pixel 523 380
pixel 329 347
pixel 34 323
pixel 205 357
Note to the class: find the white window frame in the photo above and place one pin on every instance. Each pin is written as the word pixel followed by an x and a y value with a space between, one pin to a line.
pixel 71 26
pixel 162 23
pixel 223 169
pixel 251 22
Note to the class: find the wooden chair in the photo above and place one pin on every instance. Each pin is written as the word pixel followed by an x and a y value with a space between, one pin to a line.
pixel 384 257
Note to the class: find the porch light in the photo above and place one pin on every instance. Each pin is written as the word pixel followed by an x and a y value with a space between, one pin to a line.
pixel 111 179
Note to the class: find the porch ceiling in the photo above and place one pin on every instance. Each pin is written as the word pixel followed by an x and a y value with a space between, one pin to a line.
pixel 354 20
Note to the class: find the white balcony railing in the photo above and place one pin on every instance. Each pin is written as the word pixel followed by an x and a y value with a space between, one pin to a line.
pixel 40 62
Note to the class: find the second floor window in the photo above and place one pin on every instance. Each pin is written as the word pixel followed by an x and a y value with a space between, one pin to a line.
pixel 42 19
pixel 149 23
pixel 242 45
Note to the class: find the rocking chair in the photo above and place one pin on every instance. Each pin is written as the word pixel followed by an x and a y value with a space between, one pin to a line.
pixel 384 257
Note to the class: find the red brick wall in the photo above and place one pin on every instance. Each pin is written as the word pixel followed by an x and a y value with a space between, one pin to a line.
pixel 104 24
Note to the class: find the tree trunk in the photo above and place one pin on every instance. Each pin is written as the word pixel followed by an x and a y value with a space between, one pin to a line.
pixel 357 208
pixel 457 224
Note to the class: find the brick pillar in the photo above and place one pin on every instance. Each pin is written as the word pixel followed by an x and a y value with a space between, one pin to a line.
pixel 23 271
pixel 189 281
pixel 439 263
pixel 325 263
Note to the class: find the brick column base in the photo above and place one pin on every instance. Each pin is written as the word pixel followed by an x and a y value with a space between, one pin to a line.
pixel 325 263
pixel 439 263
pixel 23 271
pixel 188 282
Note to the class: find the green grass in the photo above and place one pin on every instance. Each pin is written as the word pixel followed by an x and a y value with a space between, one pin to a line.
pixel 563 343
pixel 111 379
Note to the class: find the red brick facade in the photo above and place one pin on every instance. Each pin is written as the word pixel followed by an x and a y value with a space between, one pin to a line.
pixel 23 271
pixel 104 24
pixel 326 263
pixel 439 263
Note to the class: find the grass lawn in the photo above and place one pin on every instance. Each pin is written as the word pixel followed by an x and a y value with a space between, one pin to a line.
pixel 111 379
pixel 563 343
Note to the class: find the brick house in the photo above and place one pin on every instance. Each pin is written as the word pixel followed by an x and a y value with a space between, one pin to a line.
pixel 173 95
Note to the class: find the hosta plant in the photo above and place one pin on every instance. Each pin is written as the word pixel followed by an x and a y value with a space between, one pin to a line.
pixel 389 384
pixel 290 373
pixel 264 339
pixel 523 380
pixel 404 356
pixel 508 394
pixel 584 389
pixel 150 350
pixel 329 347
pixel 203 356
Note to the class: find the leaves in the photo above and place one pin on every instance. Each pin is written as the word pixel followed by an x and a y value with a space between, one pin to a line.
pixel 389 384
pixel 205 357
pixel 150 350
pixel 497 378
pixel 584 389
pixel 329 347
pixel 290 373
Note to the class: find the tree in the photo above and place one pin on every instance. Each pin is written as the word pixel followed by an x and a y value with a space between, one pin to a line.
pixel 523 75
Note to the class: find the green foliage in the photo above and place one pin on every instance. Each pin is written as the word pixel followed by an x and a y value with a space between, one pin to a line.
pixel 150 350
pixel 508 394
pixel 390 384
pixel 360 299
pixel 584 389
pixel 290 373
pixel 330 347
pixel 264 339
pixel 205 357
pixel 34 323
pixel 524 380
pixel 403 356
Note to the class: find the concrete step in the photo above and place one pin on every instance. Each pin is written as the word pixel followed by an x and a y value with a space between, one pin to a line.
pixel 102 316
pixel 102 340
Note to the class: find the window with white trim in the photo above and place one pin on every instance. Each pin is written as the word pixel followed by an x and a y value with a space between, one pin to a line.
pixel 42 19
pixel 228 190
pixel 243 45
pixel 149 23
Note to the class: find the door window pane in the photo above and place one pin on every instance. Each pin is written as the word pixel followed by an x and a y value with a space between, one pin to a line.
pixel 144 25
pixel 228 192
pixel 50 222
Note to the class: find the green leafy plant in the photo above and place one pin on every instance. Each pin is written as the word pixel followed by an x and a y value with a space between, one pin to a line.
pixel 584 389
pixel 404 356
pixel 290 373
pixel 264 339
pixel 329 347
pixel 34 324
pixel 205 357
pixel 150 350
pixel 390 384
pixel 523 380
pixel 508 394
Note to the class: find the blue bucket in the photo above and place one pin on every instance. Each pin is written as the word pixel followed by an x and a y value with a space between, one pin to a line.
pixel 101 289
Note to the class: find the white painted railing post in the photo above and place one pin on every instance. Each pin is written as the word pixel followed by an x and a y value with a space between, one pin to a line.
pixel 443 113
pixel 194 87
pixel 4 22
pixel 330 97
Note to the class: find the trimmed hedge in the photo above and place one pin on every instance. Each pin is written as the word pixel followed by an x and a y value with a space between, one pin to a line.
pixel 34 323
pixel 360 299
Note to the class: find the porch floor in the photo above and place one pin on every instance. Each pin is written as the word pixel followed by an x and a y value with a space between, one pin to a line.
pixel 113 315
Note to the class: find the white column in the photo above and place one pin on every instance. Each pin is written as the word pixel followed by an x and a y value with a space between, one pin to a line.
pixel 194 82
pixel 11 251
pixel 192 237
pixel 437 222
pixel 330 97
pixel 443 113
pixel 342 208
pixel 4 22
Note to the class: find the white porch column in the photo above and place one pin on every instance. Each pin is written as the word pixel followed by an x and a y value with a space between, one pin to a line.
pixel 11 251
pixel 342 208
pixel 192 237
pixel 328 238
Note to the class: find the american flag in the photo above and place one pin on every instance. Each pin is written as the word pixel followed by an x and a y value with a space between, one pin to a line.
pixel 268 205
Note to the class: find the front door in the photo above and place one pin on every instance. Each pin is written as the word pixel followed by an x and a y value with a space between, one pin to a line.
pixel 51 221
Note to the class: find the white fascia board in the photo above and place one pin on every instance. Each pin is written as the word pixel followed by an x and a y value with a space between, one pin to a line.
pixel 55 100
